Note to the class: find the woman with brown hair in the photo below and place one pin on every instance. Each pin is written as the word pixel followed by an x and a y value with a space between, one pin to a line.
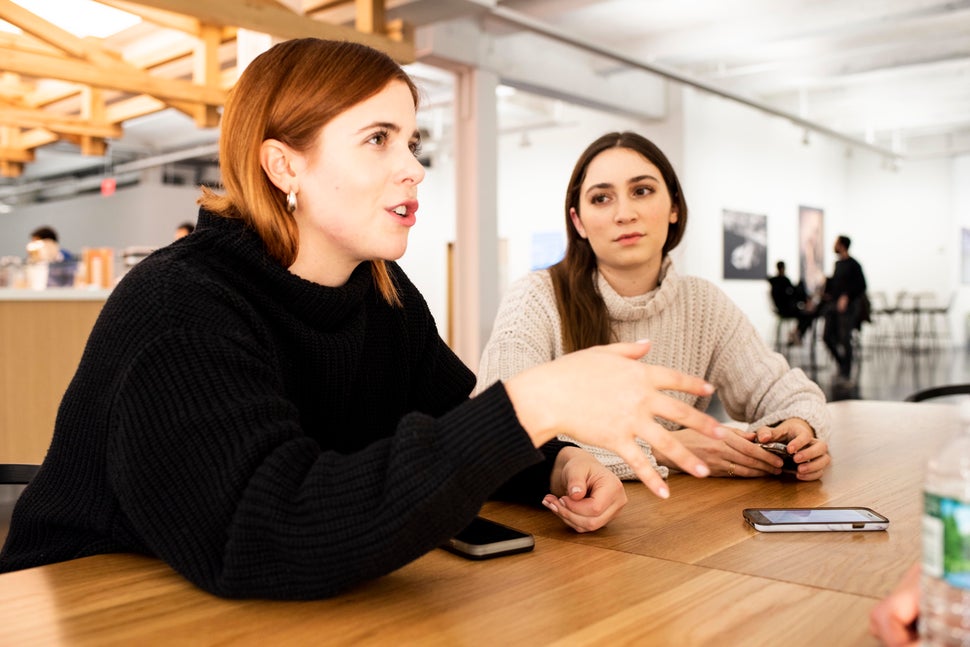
pixel 625 212
pixel 267 405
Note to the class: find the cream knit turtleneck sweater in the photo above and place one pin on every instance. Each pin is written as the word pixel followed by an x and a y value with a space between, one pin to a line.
pixel 694 328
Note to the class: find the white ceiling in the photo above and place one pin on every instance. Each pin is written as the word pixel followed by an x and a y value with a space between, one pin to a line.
pixel 894 74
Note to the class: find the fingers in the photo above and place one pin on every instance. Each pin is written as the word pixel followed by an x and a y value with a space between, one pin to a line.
pixel 632 350
pixel 588 513
pixel 812 461
pixel 672 448
pixel 669 407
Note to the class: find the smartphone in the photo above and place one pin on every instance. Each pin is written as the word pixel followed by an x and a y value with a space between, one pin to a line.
pixel 814 519
pixel 781 450
pixel 484 539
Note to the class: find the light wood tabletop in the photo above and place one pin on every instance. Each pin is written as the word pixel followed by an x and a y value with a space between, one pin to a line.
pixel 685 571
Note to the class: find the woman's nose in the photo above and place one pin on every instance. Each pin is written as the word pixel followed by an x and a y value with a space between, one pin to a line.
pixel 625 211
pixel 413 170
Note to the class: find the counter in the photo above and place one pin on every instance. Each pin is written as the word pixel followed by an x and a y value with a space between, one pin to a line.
pixel 42 336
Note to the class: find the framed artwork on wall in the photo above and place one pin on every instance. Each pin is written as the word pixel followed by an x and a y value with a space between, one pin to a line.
pixel 811 240
pixel 745 245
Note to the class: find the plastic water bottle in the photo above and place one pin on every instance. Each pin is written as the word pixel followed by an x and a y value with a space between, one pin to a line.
pixel 944 617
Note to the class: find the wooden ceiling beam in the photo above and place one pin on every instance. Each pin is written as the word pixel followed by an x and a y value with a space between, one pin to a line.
pixel 61 124
pixel 269 17
pixel 370 16
pixel 124 78
pixel 57 86
pixel 167 19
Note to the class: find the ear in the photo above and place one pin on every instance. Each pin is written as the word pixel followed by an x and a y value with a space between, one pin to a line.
pixel 281 164
pixel 673 215
pixel 577 223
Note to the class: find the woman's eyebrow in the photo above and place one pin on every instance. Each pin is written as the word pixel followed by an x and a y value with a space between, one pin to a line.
pixel 386 125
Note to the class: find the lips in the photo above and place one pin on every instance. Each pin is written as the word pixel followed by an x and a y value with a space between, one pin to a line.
pixel 404 213
pixel 628 238
pixel 406 209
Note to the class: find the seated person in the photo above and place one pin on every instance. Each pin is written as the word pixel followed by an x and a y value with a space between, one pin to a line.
pixel 625 211
pixel 791 302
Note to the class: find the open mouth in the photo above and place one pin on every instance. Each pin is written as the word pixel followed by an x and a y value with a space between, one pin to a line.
pixel 401 210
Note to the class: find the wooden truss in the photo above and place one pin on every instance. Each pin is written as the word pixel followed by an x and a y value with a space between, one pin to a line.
pixel 55 86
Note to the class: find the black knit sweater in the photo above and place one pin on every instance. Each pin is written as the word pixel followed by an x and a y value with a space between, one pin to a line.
pixel 264 435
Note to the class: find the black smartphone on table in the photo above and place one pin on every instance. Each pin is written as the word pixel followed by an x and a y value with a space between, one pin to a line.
pixel 484 539
pixel 814 519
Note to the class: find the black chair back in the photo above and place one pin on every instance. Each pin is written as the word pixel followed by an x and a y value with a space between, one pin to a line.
pixel 938 392
pixel 17 474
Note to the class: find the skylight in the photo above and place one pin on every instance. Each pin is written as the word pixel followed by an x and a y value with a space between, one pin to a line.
pixel 80 17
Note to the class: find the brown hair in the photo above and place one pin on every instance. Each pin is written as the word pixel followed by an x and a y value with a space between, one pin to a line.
pixel 289 93
pixel 585 320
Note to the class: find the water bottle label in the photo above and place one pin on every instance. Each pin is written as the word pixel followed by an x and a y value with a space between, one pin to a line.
pixel 946 540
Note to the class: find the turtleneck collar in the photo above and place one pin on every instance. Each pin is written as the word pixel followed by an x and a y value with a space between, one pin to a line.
pixel 263 278
pixel 636 307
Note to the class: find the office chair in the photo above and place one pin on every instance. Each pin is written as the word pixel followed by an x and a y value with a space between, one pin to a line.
pixel 17 474
pixel 14 476
pixel 938 392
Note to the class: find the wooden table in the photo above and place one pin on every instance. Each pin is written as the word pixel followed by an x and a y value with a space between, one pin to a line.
pixel 686 571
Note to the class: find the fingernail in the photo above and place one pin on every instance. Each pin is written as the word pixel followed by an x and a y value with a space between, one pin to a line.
pixel 575 489
pixel 721 431
pixel 550 505
pixel 708 388
pixel 703 470
pixel 663 492
pixel 562 502
pixel 643 341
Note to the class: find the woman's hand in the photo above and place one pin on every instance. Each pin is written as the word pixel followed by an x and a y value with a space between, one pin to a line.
pixel 736 455
pixel 893 620
pixel 811 454
pixel 601 396
pixel 585 494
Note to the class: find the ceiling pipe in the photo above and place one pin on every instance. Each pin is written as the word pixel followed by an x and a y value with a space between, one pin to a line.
pixel 123 169
pixel 523 21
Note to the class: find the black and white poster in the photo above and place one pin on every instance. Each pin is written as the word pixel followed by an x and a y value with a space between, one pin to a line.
pixel 745 245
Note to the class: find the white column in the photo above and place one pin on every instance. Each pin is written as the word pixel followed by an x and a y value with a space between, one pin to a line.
pixel 476 244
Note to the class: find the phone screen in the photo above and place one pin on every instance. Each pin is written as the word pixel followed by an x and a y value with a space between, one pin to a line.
pixel 819 515
pixel 814 519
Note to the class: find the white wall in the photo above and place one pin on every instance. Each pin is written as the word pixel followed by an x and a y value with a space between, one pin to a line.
pixel 146 214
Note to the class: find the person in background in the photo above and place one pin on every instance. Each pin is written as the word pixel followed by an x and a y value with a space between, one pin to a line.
pixel 844 307
pixel 272 412
pixel 184 230
pixel 625 211
pixel 44 246
pixel 893 620
pixel 791 302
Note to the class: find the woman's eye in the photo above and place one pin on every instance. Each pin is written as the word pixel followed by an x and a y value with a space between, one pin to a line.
pixel 642 190
pixel 378 138
pixel 599 199
pixel 415 148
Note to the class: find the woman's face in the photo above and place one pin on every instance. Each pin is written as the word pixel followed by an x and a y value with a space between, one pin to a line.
pixel 624 212
pixel 357 194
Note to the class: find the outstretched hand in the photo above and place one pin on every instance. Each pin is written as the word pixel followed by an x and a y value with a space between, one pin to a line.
pixel 602 396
